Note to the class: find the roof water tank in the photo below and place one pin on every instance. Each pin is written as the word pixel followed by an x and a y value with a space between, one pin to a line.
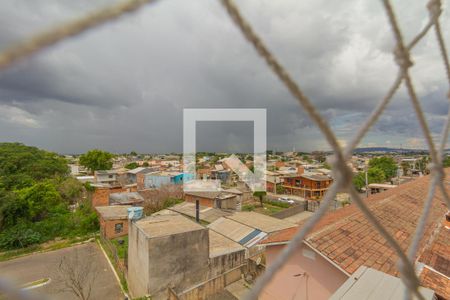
pixel 135 213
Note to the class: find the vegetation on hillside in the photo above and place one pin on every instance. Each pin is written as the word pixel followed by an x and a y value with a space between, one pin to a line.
pixel 96 160
pixel 36 194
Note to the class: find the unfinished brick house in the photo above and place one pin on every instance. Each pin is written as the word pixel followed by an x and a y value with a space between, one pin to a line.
pixel 102 192
pixel 113 220
pixel 224 199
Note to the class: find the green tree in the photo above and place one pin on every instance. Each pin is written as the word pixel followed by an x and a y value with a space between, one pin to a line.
pixel 132 165
pixel 21 166
pixel 260 195
pixel 280 189
pixel 359 181
pixel 70 189
pixel 96 160
pixel 374 175
pixel 386 164
pixel 447 161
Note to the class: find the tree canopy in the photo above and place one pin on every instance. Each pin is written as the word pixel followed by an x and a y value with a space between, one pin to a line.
pixel 35 194
pixel 386 164
pixel 21 166
pixel 96 160
pixel 374 175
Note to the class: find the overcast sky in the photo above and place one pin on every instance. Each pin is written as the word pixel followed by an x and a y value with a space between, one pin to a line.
pixel 123 86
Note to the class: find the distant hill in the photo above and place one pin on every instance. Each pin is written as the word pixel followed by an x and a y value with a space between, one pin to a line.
pixel 388 150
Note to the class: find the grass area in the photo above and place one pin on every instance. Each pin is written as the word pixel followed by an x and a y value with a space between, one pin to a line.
pixel 268 209
pixel 122 248
pixel 45 247
pixel 123 280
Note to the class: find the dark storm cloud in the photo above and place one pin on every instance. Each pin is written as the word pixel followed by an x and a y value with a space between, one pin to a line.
pixel 123 86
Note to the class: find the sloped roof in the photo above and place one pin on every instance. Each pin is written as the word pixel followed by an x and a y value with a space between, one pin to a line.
pixel 114 212
pixel 350 241
pixel 259 221
pixel 207 214
pixel 220 245
pixel 139 170
pixel 436 260
pixel 238 232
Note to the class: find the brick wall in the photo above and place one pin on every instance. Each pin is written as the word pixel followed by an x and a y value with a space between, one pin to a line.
pixel 140 179
pixel 203 201
pixel 108 228
pixel 101 195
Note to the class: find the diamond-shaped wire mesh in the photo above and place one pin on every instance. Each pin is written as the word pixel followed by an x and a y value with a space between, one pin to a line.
pixel 342 173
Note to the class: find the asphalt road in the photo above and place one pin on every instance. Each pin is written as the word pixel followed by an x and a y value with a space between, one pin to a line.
pixel 45 265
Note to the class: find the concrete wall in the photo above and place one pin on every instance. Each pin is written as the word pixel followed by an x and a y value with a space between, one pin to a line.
pixel 138 274
pixel 320 281
pixel 211 287
pixel 178 260
pixel 221 264
pixel 290 211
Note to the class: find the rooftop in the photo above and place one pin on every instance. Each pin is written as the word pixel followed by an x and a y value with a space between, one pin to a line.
pixel 166 224
pixel 238 232
pixel 125 197
pixel 259 221
pixel 347 238
pixel 382 185
pixel 139 170
pixel 212 195
pixel 368 283
pixel 207 214
pixel 220 245
pixel 114 212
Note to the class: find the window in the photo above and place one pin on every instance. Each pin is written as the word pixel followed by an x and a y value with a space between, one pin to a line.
pixel 118 228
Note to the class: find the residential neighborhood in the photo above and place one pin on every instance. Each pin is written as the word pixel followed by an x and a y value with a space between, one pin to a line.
pixel 164 243
pixel 224 150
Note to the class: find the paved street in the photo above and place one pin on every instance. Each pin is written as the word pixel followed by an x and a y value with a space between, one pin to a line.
pixel 45 265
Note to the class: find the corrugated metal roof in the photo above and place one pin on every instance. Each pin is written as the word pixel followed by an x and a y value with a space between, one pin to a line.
pixel 369 283
pixel 259 221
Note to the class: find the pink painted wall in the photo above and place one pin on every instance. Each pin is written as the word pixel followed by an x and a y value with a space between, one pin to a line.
pixel 321 281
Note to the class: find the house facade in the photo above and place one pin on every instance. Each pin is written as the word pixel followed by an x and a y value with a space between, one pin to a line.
pixel 308 186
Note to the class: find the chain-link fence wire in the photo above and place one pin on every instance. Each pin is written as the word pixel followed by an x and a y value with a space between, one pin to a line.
pixel 341 172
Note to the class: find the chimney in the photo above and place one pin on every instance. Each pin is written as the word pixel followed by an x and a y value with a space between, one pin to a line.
pixel 197 211
pixel 300 170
